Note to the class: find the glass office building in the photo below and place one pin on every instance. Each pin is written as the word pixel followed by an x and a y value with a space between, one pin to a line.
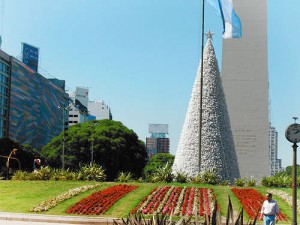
pixel 31 106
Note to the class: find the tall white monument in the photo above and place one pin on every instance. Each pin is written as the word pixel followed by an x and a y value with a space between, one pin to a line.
pixel 217 147
pixel 245 81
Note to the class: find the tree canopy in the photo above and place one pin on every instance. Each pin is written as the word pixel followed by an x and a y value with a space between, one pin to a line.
pixel 115 147
pixel 289 170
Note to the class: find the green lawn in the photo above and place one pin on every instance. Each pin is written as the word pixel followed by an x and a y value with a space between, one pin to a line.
pixel 21 196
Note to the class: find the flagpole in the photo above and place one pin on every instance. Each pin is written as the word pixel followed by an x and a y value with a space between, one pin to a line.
pixel 201 88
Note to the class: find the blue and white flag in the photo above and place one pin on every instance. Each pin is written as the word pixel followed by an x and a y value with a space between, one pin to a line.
pixel 231 22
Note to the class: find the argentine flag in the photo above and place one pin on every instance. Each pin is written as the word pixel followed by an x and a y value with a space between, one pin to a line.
pixel 231 22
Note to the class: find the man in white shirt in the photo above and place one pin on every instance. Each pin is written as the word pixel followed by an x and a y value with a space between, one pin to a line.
pixel 269 210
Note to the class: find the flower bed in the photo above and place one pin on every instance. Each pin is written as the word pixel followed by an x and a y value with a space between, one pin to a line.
pixel 46 205
pixel 101 201
pixel 177 200
pixel 285 197
pixel 252 201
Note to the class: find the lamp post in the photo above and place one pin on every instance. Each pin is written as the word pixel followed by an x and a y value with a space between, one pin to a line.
pixel 292 134
pixel 13 152
pixel 92 146
pixel 63 128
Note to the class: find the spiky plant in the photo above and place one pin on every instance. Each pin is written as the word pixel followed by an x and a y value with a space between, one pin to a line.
pixel 20 175
pixel 124 177
pixel 163 174
pixel 210 176
pixel 181 177
pixel 92 172
pixel 240 182
pixel 250 182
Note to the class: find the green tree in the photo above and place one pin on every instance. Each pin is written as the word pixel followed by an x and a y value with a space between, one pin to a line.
pixel 158 161
pixel 25 155
pixel 289 170
pixel 115 147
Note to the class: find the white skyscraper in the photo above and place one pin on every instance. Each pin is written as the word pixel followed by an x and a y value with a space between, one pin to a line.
pixel 78 111
pixel 275 163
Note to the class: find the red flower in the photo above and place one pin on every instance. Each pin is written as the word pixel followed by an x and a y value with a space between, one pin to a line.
pixel 252 201
pixel 101 201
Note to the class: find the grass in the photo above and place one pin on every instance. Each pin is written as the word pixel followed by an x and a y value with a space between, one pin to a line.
pixel 21 196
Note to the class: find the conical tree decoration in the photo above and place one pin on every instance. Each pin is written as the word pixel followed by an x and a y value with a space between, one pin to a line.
pixel 217 148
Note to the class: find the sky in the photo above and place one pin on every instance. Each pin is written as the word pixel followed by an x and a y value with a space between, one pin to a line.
pixel 141 56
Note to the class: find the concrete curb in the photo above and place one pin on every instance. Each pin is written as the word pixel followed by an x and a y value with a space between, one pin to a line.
pixel 56 219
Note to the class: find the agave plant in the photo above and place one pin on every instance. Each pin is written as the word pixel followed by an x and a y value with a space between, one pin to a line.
pixel 44 173
pixel 20 175
pixel 60 174
pixel 181 177
pixel 163 174
pixel 124 177
pixel 251 182
pixel 92 172
pixel 210 176
pixel 240 182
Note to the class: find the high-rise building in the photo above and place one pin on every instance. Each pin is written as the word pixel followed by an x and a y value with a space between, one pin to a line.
pixel 245 82
pixel 275 163
pixel 30 104
pixel 158 142
pixel 100 110
pixel 78 112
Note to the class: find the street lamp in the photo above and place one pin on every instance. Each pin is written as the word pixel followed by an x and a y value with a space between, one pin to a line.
pixel 64 109
pixel 13 152
pixel 92 147
pixel 292 134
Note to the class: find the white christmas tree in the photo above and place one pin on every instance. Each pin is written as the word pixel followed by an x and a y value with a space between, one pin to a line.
pixel 217 146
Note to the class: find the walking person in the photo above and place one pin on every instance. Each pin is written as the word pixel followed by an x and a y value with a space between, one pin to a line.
pixel 36 163
pixel 269 210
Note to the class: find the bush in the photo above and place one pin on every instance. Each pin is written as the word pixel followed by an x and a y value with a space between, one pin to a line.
pixel 251 182
pixel 240 182
pixel 92 172
pixel 60 174
pixel 181 177
pixel 163 174
pixel 157 161
pixel 20 175
pixel 279 180
pixel 124 177
pixel 196 180
pixel 210 176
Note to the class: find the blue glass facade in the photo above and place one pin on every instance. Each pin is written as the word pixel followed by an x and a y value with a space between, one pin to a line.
pixel 34 115
pixel 4 94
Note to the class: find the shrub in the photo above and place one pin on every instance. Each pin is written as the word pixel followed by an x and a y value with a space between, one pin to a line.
pixel 124 177
pixel 44 173
pixel 225 183
pixel 266 181
pixel 157 161
pixel 20 175
pixel 92 172
pixel 240 182
pixel 196 180
pixel 210 176
pixel 181 177
pixel 251 182
pixel 60 174
pixel 163 174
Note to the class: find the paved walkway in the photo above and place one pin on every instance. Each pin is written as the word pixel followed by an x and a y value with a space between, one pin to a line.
pixel 38 219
